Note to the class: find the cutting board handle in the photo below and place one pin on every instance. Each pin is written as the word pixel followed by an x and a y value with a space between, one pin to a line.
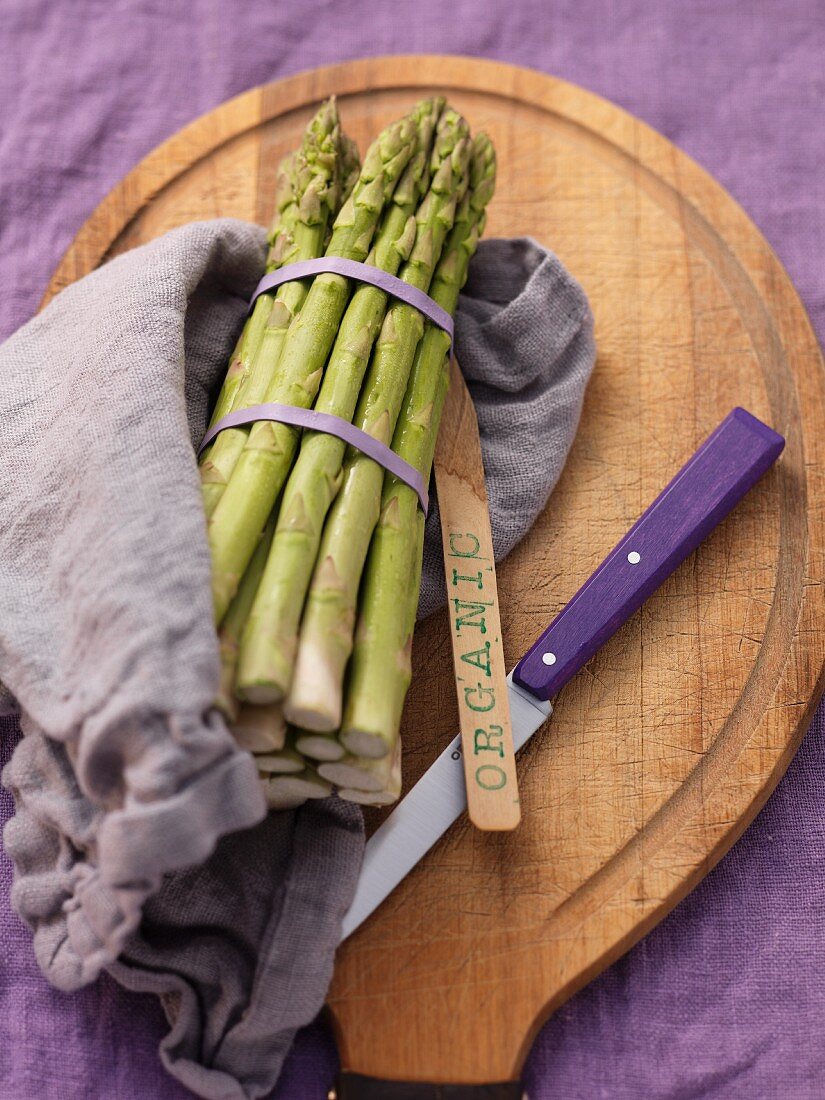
pixel 355 1086
pixel 730 461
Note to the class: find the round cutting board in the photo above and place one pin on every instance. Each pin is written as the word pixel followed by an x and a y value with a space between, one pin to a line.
pixel 667 744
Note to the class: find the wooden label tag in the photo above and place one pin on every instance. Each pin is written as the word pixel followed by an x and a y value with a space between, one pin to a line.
pixel 475 623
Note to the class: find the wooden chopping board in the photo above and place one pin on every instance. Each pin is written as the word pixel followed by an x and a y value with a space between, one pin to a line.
pixel 664 748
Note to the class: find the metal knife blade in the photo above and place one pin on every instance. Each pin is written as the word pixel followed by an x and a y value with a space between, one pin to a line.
pixel 429 809
pixel 709 485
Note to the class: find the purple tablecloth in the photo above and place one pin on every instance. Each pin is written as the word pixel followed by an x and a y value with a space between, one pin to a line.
pixel 725 999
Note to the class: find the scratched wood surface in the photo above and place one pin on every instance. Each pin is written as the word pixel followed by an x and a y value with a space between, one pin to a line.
pixel 664 748
pixel 474 616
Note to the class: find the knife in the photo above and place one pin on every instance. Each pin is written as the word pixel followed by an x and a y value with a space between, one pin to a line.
pixel 729 462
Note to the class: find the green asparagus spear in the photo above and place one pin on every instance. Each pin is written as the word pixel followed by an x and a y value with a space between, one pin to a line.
pixel 308 192
pixel 384 784
pixel 379 672
pixel 283 224
pixel 271 633
pixel 393 568
pixel 350 169
pixel 229 635
pixel 262 468
pixel 291 179
pixel 315 697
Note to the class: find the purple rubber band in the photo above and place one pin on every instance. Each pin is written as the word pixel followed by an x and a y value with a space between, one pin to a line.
pixel 327 422
pixel 364 273
pixel 331 425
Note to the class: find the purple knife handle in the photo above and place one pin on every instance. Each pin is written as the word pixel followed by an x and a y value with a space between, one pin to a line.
pixel 730 461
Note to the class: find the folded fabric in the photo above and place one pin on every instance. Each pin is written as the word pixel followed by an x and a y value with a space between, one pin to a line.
pixel 140 839
pixel 524 340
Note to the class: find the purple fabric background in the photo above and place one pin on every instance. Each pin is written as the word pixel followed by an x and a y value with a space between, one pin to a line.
pixel 725 999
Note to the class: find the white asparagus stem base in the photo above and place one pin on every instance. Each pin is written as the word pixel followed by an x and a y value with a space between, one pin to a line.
pixel 367 798
pixel 313 686
pixel 304 785
pixel 390 770
pixel 260 695
pixel 365 745
pixel 354 773
pixel 260 729
pixel 276 800
pixel 286 762
pixel 319 746
pixel 350 772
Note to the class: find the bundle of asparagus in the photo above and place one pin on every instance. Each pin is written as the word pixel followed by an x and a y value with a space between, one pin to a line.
pixel 314 546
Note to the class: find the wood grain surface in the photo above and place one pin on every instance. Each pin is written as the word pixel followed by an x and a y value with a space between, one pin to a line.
pixel 664 748
pixel 474 616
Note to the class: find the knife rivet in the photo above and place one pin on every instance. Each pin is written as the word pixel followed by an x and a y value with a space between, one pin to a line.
pixel 548 658
pixel 634 557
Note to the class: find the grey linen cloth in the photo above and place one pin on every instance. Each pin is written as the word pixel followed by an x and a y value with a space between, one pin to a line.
pixel 140 840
